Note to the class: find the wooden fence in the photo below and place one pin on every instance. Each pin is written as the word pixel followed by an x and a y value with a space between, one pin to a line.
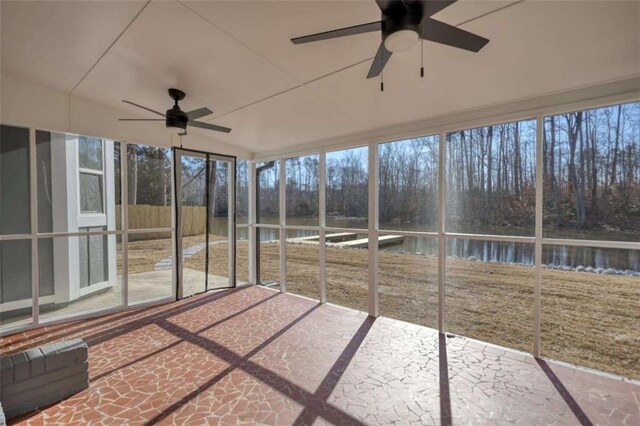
pixel 143 216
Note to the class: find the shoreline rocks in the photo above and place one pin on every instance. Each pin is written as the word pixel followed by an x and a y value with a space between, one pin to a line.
pixel 579 268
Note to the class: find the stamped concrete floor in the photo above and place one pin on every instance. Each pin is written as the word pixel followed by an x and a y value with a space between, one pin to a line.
pixel 255 356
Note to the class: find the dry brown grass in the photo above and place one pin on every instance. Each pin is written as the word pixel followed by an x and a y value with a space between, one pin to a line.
pixel 592 320
pixel 588 319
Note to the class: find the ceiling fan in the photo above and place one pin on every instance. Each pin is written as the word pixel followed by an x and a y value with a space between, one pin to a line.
pixel 177 120
pixel 403 23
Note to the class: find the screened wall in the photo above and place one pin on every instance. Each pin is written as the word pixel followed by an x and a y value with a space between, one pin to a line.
pixel 87 226
pixel 521 233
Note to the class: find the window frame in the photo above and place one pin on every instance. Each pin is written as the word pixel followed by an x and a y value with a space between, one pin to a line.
pixel 93 172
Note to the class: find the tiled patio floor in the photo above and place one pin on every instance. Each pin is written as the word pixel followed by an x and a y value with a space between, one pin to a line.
pixel 259 357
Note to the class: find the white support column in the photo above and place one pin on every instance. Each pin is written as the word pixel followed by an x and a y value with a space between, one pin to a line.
pixel 322 204
pixel 174 226
pixel 72 221
pixel 538 246
pixel 442 241
pixel 124 220
pixel 33 188
pixel 374 309
pixel 63 185
pixel 252 223
pixel 231 222
pixel 110 180
pixel 177 211
pixel 283 235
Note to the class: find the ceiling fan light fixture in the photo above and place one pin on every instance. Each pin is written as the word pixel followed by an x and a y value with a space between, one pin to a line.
pixel 401 40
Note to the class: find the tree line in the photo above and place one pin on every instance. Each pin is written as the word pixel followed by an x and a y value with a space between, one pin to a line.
pixel 302 188
pixel 148 175
pixel 591 169
pixel 149 179
pixel 347 183
pixel 490 177
pixel 408 176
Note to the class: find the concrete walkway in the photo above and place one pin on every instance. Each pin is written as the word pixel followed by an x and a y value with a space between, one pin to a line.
pixel 167 262
pixel 143 287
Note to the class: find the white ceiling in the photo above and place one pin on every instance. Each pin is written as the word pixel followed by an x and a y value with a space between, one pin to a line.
pixel 235 57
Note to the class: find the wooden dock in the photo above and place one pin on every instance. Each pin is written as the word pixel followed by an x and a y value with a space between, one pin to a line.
pixel 384 240
pixel 348 240
pixel 330 238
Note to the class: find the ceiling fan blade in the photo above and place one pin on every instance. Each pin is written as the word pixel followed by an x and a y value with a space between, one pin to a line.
pixel 392 7
pixel 379 61
pixel 342 32
pixel 198 113
pixel 141 119
pixel 432 7
pixel 440 32
pixel 145 108
pixel 208 126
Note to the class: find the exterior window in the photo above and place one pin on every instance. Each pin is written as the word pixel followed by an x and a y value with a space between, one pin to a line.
pixel 90 159
pixel 15 217
pixel 94 259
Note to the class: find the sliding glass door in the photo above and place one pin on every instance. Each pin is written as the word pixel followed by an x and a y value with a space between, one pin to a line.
pixel 205 221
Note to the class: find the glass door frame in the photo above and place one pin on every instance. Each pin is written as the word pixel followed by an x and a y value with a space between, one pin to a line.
pixel 177 193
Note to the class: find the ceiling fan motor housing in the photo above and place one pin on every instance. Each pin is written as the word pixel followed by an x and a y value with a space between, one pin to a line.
pixel 175 116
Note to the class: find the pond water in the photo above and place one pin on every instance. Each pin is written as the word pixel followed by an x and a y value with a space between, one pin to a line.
pixel 599 259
